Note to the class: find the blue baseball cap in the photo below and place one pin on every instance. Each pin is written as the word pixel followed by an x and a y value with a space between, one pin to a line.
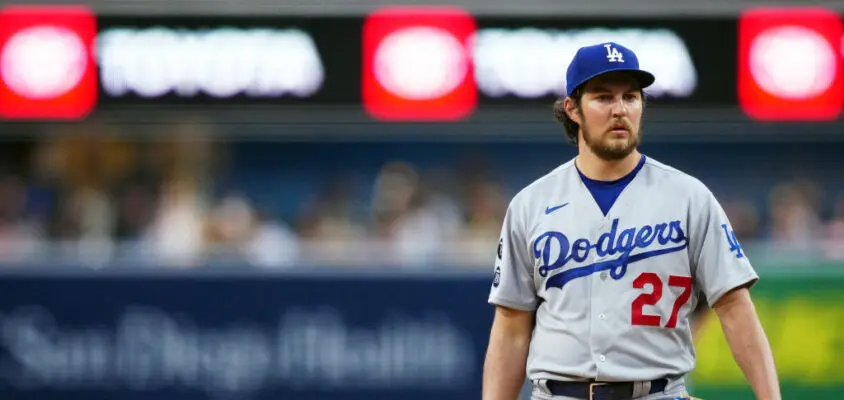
pixel 599 59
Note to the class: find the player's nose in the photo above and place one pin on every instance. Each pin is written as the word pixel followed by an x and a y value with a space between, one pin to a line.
pixel 619 109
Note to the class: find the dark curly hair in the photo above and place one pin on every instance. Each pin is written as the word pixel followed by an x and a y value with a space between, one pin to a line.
pixel 562 116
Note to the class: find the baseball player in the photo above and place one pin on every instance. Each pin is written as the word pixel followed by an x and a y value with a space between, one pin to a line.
pixel 602 260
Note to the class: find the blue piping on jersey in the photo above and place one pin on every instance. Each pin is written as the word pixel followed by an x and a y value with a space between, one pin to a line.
pixel 617 267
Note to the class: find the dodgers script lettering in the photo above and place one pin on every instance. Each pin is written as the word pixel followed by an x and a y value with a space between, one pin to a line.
pixel 609 243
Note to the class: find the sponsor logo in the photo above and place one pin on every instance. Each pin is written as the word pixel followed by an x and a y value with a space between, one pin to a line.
pixel 46 65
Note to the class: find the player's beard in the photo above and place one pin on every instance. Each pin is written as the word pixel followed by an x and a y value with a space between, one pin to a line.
pixel 609 148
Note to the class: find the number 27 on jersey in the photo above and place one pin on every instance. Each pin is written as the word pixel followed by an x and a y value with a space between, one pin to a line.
pixel 656 285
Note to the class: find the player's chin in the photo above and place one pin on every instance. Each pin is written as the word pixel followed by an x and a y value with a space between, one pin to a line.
pixel 621 139
pixel 613 151
pixel 619 144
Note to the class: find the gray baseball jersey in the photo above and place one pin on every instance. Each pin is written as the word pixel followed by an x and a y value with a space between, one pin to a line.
pixel 612 294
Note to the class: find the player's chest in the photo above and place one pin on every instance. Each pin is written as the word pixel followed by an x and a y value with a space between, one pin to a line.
pixel 581 217
pixel 578 240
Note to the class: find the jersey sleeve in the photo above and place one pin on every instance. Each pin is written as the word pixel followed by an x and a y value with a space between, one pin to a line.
pixel 512 284
pixel 721 264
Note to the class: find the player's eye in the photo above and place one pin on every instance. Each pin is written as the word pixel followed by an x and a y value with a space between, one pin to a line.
pixel 630 97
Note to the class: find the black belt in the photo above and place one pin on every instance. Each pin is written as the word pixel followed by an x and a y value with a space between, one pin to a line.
pixel 601 390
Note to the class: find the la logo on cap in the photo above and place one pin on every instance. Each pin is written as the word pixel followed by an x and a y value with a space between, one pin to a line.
pixel 613 55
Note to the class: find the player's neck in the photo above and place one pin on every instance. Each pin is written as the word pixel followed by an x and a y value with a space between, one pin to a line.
pixel 599 169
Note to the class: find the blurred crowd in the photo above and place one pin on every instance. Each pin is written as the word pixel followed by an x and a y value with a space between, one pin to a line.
pixel 90 196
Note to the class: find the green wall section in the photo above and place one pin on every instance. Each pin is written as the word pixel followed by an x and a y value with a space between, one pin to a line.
pixel 802 311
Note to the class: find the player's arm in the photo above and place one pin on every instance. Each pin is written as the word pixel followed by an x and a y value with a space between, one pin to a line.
pixel 513 294
pixel 748 342
pixel 509 341
pixel 725 275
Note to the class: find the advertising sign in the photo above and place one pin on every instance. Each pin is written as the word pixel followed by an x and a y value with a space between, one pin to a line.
pixel 457 59
pixel 417 64
pixel 790 64
pixel 409 63
pixel 46 64
pixel 524 61
pixel 207 61
pixel 186 335
pixel 241 337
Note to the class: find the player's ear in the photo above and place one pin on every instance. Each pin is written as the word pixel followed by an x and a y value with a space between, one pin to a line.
pixel 571 105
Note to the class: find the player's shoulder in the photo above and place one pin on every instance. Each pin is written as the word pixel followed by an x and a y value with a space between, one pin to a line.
pixel 674 178
pixel 542 185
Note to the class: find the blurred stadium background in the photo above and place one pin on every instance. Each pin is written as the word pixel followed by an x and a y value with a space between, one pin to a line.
pixel 226 199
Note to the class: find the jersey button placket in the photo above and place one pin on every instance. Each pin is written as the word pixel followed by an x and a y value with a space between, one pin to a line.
pixel 604 226
pixel 599 299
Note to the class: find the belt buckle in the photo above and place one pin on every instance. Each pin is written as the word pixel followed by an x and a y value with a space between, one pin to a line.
pixel 592 386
